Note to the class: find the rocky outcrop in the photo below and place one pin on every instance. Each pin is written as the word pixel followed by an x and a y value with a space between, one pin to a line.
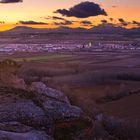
pixel 40 113
pixel 43 90
pixel 31 135
pixel 37 112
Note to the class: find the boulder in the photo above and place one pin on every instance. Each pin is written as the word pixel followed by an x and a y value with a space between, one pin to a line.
pixel 55 103
pixel 43 109
pixel 45 91
pixel 14 126
pixel 61 111
pixel 15 108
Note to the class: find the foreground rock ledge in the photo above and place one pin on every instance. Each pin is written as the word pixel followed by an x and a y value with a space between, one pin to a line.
pixel 31 135
pixel 40 114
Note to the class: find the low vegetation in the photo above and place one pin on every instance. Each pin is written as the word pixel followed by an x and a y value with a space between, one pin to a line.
pixel 122 129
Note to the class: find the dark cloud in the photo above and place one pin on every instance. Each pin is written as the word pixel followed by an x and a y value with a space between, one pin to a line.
pixel 104 21
pixel 60 21
pixel 10 1
pixel 57 18
pixel 32 22
pixel 66 22
pixel 125 23
pixel 83 10
pixel 111 19
pixel 86 23
pixel 121 20
pixel 63 19
pixel 136 23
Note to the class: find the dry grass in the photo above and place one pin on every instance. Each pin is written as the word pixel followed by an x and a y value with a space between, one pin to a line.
pixel 121 128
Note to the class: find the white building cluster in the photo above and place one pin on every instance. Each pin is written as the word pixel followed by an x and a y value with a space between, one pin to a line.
pixel 111 46
pixel 9 48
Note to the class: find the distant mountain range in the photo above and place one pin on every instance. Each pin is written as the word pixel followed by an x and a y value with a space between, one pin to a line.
pixel 103 29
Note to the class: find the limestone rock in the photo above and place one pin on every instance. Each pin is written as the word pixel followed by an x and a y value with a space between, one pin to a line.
pixel 31 135
pixel 45 91
pixel 14 126
pixel 23 112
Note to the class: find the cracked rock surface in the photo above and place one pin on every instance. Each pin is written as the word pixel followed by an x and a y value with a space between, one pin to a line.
pixel 40 113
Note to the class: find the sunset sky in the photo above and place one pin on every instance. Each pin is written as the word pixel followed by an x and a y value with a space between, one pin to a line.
pixel 43 13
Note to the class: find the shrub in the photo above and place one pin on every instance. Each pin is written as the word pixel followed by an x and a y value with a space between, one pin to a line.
pixel 121 128
pixel 128 76
pixel 110 95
